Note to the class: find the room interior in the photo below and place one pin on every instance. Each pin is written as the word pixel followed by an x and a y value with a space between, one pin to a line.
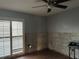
pixel 39 34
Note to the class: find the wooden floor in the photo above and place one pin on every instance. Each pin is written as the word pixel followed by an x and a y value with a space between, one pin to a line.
pixel 44 55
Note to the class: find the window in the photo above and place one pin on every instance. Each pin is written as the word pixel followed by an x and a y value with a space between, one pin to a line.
pixel 10 42
pixel 4 38
pixel 17 36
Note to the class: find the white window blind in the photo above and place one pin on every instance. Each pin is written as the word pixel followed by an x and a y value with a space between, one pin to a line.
pixel 5 37
pixel 17 36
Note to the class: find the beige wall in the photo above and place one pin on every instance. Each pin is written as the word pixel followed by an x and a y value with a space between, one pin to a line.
pixel 59 41
pixel 38 41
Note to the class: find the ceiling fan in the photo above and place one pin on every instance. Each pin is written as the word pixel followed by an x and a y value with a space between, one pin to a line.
pixel 55 3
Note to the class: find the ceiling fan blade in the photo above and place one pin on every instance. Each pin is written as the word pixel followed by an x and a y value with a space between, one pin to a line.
pixel 37 1
pixel 39 6
pixel 61 1
pixel 60 6
pixel 42 0
pixel 45 1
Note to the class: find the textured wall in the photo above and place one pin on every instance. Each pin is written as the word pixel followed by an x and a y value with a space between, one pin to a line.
pixel 38 41
pixel 42 40
pixel 59 41
pixel 63 28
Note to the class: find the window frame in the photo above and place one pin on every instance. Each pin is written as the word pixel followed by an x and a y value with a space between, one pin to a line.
pixel 18 20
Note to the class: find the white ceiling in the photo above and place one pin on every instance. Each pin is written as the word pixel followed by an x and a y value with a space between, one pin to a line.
pixel 26 6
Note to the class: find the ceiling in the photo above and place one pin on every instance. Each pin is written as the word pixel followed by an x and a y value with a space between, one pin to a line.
pixel 26 6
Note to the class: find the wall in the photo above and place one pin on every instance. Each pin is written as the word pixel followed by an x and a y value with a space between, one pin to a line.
pixel 34 29
pixel 62 29
pixel 37 29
